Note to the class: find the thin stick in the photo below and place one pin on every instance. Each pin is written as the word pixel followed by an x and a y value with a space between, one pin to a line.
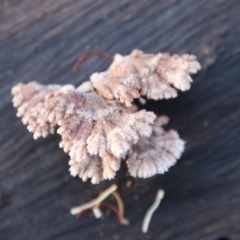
pixel 119 202
pixel 94 202
pixel 83 57
pixel 78 215
pixel 121 219
pixel 149 213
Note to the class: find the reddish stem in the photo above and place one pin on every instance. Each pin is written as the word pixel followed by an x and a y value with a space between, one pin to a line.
pixel 83 57
pixel 114 209
pixel 82 212
pixel 104 204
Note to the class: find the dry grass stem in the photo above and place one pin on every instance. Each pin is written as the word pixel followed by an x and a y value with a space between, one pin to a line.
pixel 119 202
pixel 148 216
pixel 94 202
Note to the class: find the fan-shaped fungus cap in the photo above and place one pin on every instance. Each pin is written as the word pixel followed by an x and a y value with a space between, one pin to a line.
pixel 97 121
pixel 155 154
pixel 139 74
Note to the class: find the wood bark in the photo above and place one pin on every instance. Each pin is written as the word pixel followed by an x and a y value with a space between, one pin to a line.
pixel 41 39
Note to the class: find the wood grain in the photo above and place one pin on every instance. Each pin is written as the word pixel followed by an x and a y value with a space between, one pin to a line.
pixel 41 39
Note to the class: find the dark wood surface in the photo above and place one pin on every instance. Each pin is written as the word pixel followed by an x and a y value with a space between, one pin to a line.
pixel 41 39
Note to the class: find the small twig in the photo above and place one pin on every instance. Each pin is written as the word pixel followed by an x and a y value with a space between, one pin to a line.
pixel 120 206
pixel 97 203
pixel 119 202
pixel 148 216
pixel 83 57
pixel 121 219
pixel 82 212
pixel 94 202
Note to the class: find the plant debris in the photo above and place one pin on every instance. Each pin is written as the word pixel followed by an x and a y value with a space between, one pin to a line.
pixel 150 211
pixel 97 203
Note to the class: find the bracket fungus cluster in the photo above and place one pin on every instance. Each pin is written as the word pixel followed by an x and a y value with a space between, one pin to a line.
pixel 98 122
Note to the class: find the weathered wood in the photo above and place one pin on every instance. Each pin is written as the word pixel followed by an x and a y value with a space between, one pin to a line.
pixel 40 40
